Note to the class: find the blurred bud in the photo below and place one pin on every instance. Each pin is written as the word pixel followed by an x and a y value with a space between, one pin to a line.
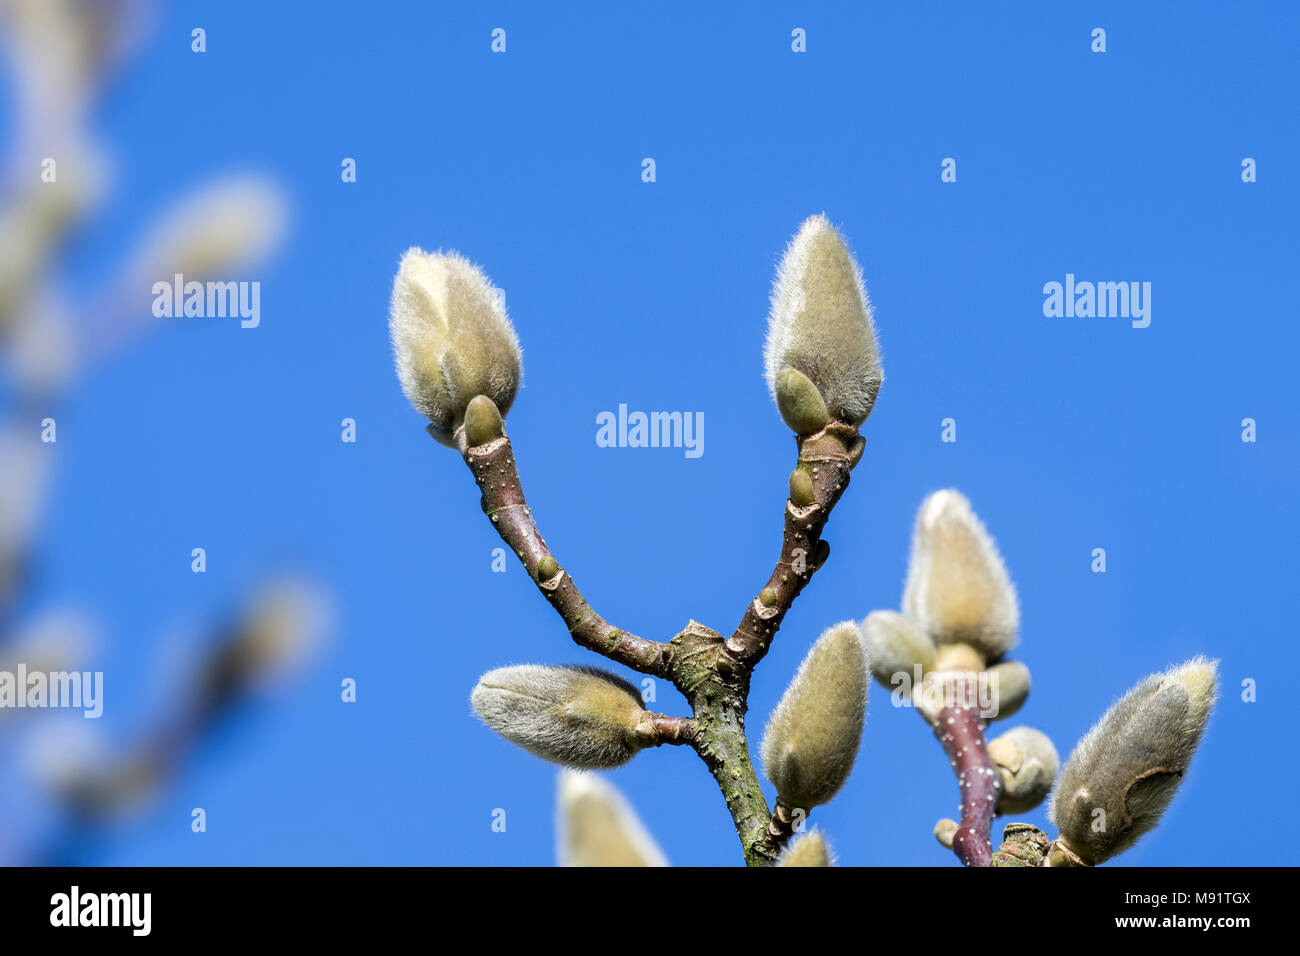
pixel 957 587
pixel 221 226
pixel 1126 769
pixel 278 630
pixel 451 339
pixel 807 849
pixel 812 737
pixel 800 404
pixel 60 639
pixel 1012 679
pixel 820 325
pixel 598 827
pixel 958 658
pixel 574 716
pixel 23 483
pixel 1028 763
pixel 895 645
pixel 944 831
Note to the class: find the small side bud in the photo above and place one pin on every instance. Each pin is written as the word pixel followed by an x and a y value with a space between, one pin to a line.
pixel 800 404
pixel 957 586
pixel 575 716
pixel 599 828
pixel 801 488
pixel 547 568
pixel 820 326
pixel 944 831
pixel 1125 771
pixel 812 737
pixel 451 339
pixel 482 421
pixel 896 646
pixel 1013 688
pixel 767 597
pixel 808 849
pixel 856 448
pixel 1028 763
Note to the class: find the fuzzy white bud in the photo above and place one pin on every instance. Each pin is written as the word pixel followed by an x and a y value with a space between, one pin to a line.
pixel 1027 761
pixel 575 716
pixel 597 826
pixel 807 849
pixel 1125 771
pixel 896 646
pixel 820 323
pixel 451 338
pixel 812 737
pixel 958 589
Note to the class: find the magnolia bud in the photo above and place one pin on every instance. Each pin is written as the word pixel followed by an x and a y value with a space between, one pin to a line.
pixel 809 849
pixel 482 421
pixel 1012 682
pixel 575 716
pixel 599 828
pixel 1028 763
pixel 800 404
pixel 451 339
pixel 957 587
pixel 812 737
pixel 944 831
pixel 1126 769
pixel 895 645
pixel 820 325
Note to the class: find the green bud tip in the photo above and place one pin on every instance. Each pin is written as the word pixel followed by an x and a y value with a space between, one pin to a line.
pixel 801 488
pixel 800 404
pixel 767 596
pixel 547 568
pixel 483 421
pixel 856 448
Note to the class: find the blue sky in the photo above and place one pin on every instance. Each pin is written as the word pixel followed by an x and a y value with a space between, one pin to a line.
pixel 1073 434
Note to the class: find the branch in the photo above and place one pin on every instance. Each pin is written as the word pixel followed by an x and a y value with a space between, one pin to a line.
pixel 782 825
pixel 960 730
pixel 494 468
pixel 822 474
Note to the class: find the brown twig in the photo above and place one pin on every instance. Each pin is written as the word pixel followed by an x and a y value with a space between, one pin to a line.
pixel 493 465
pixel 960 730
pixel 825 458
pixel 712 673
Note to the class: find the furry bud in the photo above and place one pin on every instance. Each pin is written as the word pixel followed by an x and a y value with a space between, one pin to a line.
pixel 575 716
pixel 957 587
pixel 1028 763
pixel 812 737
pixel 1126 769
pixel 598 827
pixel 809 849
pixel 820 325
pixel 896 646
pixel 1013 687
pixel 451 339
